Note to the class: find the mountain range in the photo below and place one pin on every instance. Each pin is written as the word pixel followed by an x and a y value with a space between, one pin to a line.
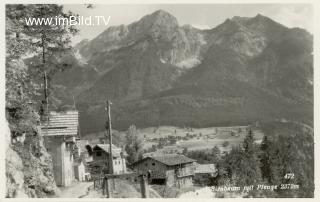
pixel 157 72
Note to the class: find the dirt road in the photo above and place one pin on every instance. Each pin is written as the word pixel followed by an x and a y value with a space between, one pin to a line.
pixel 76 190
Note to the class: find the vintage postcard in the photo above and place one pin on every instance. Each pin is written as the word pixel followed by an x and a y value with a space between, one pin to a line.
pixel 159 100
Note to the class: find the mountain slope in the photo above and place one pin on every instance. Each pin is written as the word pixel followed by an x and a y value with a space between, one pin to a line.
pixel 136 74
pixel 157 72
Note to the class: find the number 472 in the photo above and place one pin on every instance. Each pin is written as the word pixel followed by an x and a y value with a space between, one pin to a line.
pixel 289 176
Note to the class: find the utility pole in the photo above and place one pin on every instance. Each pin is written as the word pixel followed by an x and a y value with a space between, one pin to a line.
pixel 108 128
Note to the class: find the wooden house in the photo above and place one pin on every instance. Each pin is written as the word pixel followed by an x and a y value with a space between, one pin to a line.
pixel 100 160
pixel 60 134
pixel 204 172
pixel 169 169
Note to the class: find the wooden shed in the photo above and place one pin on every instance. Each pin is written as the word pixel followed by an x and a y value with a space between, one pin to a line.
pixel 169 169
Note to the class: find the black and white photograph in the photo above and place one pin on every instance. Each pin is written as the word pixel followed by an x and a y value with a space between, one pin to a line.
pixel 159 100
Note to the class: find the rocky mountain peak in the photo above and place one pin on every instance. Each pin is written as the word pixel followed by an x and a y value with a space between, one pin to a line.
pixel 255 21
pixel 239 19
pixel 236 35
pixel 161 13
pixel 159 21
pixel 161 16
pixel 228 26
pixel 259 25
pixel 261 19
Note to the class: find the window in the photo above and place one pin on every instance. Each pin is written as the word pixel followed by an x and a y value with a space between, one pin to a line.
pixel 153 164
pixel 99 153
pixel 146 165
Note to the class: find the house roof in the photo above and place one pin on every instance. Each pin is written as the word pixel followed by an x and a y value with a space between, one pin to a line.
pixel 61 124
pixel 170 159
pixel 116 151
pixel 82 144
pixel 205 168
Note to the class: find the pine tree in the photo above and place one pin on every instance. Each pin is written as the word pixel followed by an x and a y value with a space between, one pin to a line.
pixel 248 143
pixel 265 159
pixel 250 162
pixel 46 42
pixel 21 42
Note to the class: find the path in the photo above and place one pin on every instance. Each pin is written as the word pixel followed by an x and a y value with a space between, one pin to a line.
pixel 86 190
pixel 76 190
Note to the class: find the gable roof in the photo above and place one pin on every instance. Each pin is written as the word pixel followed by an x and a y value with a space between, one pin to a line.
pixel 61 124
pixel 83 144
pixel 170 159
pixel 116 151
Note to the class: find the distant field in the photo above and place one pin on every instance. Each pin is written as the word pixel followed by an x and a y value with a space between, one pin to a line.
pixel 209 138
pixel 164 131
pixel 205 138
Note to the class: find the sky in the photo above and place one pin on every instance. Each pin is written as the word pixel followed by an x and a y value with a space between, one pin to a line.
pixel 200 16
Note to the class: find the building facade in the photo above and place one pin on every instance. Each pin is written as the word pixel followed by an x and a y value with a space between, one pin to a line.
pixel 169 169
pixel 59 135
pixel 79 171
pixel 100 160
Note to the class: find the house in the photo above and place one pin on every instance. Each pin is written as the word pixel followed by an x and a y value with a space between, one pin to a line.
pixel 80 161
pixel 59 134
pixel 79 170
pixel 85 150
pixel 100 160
pixel 203 173
pixel 169 169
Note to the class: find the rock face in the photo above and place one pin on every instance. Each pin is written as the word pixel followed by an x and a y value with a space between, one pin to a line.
pixel 136 60
pixel 237 37
pixel 158 72
pixel 175 44
pixel 14 170
pixel 28 169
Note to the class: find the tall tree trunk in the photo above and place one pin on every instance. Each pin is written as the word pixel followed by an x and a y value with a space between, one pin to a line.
pixel 45 78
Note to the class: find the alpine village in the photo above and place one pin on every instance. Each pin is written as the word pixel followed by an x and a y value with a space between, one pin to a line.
pixel 154 109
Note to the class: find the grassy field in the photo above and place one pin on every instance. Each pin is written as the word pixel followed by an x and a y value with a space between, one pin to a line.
pixel 202 138
pixel 199 138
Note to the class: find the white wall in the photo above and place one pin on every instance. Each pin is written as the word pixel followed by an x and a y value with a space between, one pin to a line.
pixel 119 166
